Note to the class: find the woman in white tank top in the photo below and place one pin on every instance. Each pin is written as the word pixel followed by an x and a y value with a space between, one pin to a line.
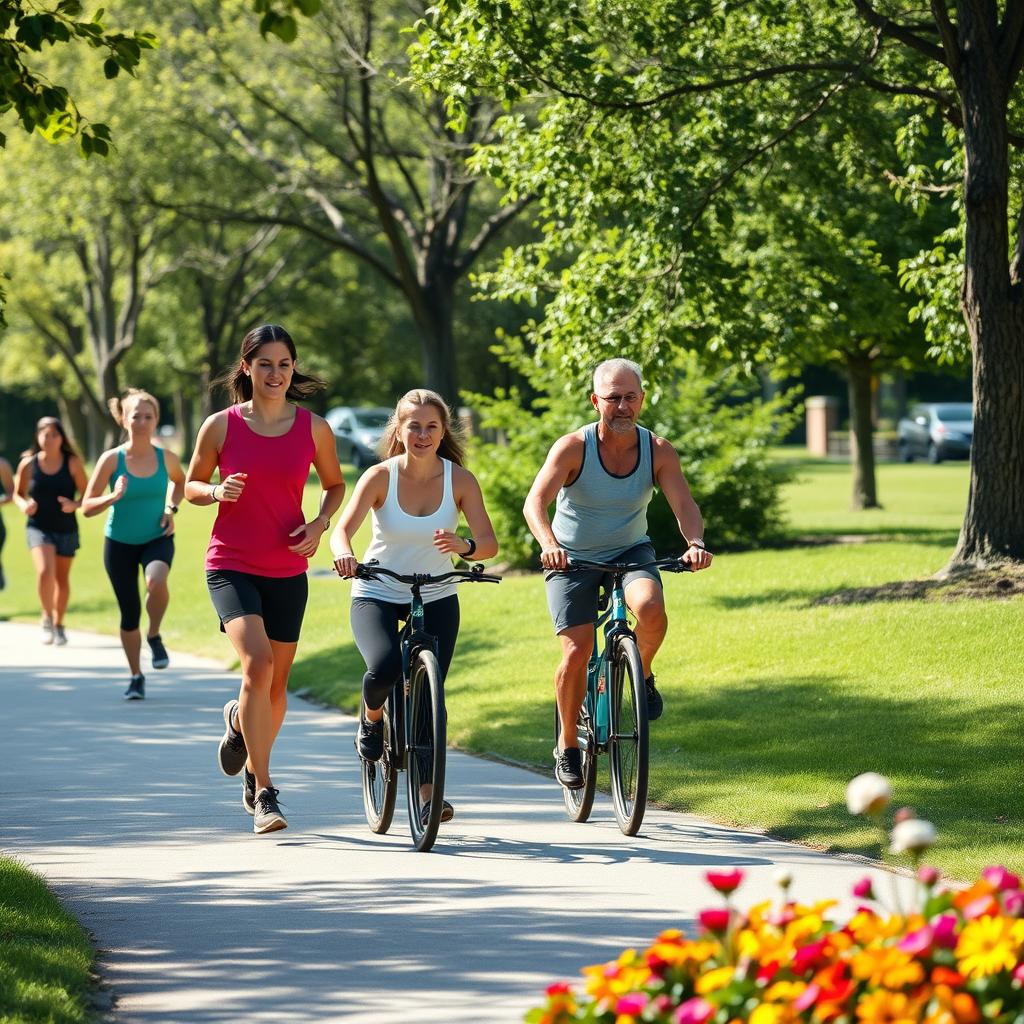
pixel 415 497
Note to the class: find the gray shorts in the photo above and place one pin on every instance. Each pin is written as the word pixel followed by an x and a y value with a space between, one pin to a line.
pixel 572 596
pixel 65 543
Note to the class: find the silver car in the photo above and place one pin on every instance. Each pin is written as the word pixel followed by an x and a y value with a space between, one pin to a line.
pixel 936 431
pixel 357 432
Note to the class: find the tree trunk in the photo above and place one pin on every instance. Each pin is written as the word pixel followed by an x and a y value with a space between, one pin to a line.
pixel 993 526
pixel 862 448
pixel 437 340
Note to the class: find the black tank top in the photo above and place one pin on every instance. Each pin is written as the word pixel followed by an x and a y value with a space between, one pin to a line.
pixel 45 488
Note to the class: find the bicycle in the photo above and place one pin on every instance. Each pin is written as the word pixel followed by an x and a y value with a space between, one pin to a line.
pixel 415 737
pixel 613 718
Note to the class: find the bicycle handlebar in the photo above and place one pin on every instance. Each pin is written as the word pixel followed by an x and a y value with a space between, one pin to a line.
pixel 672 563
pixel 372 570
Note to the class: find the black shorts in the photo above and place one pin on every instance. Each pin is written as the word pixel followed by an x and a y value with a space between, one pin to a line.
pixel 279 600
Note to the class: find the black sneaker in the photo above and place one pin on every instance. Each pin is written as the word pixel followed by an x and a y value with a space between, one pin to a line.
pixel 655 705
pixel 158 651
pixel 267 816
pixel 231 753
pixel 447 812
pixel 136 688
pixel 569 768
pixel 370 739
pixel 248 791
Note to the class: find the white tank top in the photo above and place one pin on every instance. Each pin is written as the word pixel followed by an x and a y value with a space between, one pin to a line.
pixel 405 543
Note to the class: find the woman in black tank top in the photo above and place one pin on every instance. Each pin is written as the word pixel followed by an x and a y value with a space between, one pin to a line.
pixel 49 477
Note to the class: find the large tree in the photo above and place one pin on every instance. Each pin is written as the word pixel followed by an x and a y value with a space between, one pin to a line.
pixel 709 92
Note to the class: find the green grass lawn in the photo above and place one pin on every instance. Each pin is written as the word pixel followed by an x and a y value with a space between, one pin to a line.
pixel 773 702
pixel 45 957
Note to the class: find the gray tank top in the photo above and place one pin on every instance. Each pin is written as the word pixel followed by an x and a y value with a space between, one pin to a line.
pixel 600 515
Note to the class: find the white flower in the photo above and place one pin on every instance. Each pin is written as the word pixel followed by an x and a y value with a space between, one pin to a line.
pixel 912 836
pixel 868 793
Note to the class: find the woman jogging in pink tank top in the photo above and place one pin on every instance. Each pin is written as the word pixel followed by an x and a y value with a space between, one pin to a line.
pixel 262 448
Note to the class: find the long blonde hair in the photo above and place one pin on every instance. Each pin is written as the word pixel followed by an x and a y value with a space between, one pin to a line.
pixel 453 444
pixel 120 408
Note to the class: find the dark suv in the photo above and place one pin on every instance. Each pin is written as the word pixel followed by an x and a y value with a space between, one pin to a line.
pixel 936 431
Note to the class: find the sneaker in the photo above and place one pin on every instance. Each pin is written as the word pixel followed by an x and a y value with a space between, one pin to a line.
pixel 370 739
pixel 447 812
pixel 47 631
pixel 655 705
pixel 569 768
pixel 248 791
pixel 60 638
pixel 136 688
pixel 231 753
pixel 158 652
pixel 267 816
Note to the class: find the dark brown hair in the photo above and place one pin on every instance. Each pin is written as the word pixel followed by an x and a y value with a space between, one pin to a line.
pixel 453 444
pixel 65 442
pixel 239 385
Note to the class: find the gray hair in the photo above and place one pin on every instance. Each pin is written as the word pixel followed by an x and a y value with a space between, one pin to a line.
pixel 610 366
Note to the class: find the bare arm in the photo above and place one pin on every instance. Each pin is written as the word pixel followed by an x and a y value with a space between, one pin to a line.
pixel 22 476
pixel 6 482
pixel 94 500
pixel 471 503
pixel 325 460
pixel 562 465
pixel 668 475
pixel 198 489
pixel 370 492
pixel 77 471
pixel 175 491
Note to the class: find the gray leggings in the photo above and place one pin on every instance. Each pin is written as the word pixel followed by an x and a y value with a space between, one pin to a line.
pixel 375 630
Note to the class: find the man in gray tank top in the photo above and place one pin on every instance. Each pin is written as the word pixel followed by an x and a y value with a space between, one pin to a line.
pixel 601 479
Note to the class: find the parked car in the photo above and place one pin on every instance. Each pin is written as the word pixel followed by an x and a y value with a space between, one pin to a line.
pixel 936 431
pixel 357 433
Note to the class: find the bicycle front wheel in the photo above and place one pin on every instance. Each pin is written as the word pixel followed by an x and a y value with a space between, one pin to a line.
pixel 380 781
pixel 427 741
pixel 627 742
pixel 580 802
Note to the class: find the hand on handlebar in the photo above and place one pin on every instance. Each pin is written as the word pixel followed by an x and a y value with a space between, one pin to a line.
pixel 697 558
pixel 346 566
pixel 554 558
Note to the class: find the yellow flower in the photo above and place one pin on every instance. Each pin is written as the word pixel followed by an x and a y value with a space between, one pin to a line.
pixel 714 980
pixel 771 1013
pixel 784 991
pixel 888 1008
pixel 888 966
pixel 989 945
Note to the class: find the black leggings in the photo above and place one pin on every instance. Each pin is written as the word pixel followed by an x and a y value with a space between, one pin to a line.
pixel 375 631
pixel 122 562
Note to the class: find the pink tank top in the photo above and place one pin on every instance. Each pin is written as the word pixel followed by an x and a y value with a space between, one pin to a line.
pixel 251 534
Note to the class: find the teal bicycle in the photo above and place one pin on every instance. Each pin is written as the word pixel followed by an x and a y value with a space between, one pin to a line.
pixel 613 719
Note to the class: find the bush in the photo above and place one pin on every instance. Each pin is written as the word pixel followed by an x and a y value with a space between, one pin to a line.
pixel 721 434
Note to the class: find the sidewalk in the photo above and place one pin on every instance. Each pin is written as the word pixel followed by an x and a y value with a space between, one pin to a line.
pixel 122 808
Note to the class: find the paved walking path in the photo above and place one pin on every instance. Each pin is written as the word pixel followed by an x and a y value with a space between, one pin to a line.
pixel 122 808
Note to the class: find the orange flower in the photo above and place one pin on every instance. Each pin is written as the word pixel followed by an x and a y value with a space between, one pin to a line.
pixel 886 966
pixel 888 1008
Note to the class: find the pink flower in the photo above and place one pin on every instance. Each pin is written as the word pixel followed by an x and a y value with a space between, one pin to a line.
pixel 918 942
pixel 725 882
pixel 863 891
pixel 904 814
pixel 714 920
pixel 631 1005
pixel 998 876
pixel 982 906
pixel 928 875
pixel 1018 973
pixel 1013 903
pixel 807 998
pixel 944 931
pixel 559 988
pixel 808 957
pixel 693 1011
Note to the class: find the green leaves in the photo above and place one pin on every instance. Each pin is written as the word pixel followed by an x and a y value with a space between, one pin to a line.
pixel 278 20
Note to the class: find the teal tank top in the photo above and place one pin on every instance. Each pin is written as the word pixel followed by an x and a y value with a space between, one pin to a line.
pixel 600 515
pixel 135 519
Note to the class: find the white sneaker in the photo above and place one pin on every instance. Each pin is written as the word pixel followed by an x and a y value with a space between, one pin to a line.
pixel 47 631
pixel 60 638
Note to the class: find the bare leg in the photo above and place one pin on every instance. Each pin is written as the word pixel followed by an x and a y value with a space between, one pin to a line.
pixel 131 641
pixel 571 680
pixel 44 559
pixel 157 595
pixel 62 589
pixel 256 715
pixel 646 601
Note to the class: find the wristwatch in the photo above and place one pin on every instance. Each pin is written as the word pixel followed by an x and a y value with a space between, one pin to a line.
pixel 326 520
pixel 697 543
pixel 171 508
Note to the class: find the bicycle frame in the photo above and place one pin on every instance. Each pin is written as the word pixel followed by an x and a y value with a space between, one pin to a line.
pixel 615 621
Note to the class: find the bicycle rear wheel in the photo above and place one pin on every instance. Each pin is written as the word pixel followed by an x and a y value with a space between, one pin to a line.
pixel 380 781
pixel 627 742
pixel 426 745
pixel 580 802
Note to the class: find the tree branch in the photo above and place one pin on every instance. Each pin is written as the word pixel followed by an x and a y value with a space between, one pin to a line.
pixel 490 228
pixel 890 28
pixel 1011 41
pixel 949 36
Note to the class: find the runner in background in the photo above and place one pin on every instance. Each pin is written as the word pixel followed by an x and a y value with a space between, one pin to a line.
pixel 6 496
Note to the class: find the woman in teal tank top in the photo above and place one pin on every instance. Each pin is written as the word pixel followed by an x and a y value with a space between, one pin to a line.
pixel 146 484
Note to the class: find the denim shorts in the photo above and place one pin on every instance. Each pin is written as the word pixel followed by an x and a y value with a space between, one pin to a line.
pixel 572 596
pixel 65 543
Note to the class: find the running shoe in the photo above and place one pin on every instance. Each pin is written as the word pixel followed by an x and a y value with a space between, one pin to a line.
pixel 655 705
pixel 248 791
pixel 267 816
pixel 47 631
pixel 370 739
pixel 158 652
pixel 60 638
pixel 569 768
pixel 136 688
pixel 231 753
pixel 447 812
